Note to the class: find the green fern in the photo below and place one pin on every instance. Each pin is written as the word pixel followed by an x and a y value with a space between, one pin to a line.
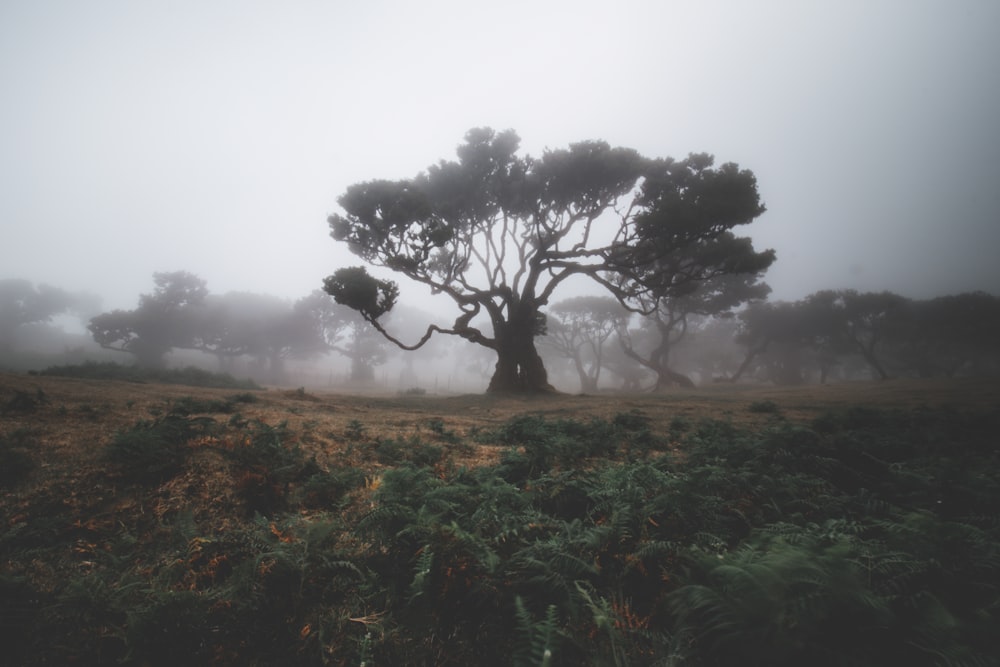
pixel 536 641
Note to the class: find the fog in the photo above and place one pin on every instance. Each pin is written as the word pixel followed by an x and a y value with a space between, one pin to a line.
pixel 215 138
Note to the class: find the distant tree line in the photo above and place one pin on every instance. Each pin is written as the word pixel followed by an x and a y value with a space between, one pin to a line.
pixel 843 334
pixel 23 304
pixel 723 331
pixel 181 314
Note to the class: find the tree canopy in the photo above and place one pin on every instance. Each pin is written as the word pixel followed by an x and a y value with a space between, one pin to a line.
pixel 23 303
pixel 498 232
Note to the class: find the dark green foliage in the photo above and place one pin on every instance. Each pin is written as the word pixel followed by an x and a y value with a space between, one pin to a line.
pixel 15 457
pixel 355 430
pixel 542 445
pixel 864 538
pixel 764 407
pixel 189 375
pixel 268 459
pixel 189 405
pixel 24 403
pixel 326 489
pixel 153 451
pixel 393 451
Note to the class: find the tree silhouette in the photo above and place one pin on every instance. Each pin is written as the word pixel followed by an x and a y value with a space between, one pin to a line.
pixel 498 233
pixel 22 303
pixel 164 320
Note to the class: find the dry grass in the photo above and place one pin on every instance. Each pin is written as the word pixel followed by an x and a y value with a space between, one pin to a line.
pixel 70 422
pixel 78 417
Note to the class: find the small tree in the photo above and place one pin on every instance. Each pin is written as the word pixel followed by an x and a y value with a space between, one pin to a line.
pixel 498 233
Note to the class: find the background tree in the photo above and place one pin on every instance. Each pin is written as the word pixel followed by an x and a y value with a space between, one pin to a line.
pixel 948 335
pixel 165 319
pixel 823 329
pixel 776 332
pixel 717 296
pixel 347 333
pixel 182 314
pixel 268 328
pixel 709 348
pixel 21 303
pixel 578 329
pixel 867 320
pixel 498 233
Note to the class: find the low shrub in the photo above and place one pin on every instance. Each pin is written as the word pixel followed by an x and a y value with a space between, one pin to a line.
pixel 190 375
pixel 764 407
pixel 16 461
pixel 153 451
pixel 24 403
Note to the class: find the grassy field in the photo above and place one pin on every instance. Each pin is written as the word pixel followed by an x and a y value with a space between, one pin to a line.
pixel 156 524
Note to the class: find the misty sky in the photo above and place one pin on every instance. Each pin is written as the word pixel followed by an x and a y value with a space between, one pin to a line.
pixel 216 136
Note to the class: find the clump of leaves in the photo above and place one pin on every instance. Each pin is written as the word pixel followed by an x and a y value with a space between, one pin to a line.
pixel 542 444
pixel 764 407
pixel 269 459
pixel 153 451
pixel 15 457
pixel 354 430
pixel 327 489
pixel 393 451
pixel 189 405
pixel 437 427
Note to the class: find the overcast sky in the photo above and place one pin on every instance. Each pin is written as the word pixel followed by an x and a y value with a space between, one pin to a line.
pixel 216 136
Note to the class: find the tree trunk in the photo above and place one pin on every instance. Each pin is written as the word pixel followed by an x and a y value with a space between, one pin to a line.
pixel 519 368
pixel 752 353
pixel 873 362
pixel 588 383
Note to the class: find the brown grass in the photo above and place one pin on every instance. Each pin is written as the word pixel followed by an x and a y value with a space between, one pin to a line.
pixel 76 419
pixel 79 416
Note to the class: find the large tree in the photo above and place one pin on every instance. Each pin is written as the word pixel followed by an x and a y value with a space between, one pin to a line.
pixel 499 232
